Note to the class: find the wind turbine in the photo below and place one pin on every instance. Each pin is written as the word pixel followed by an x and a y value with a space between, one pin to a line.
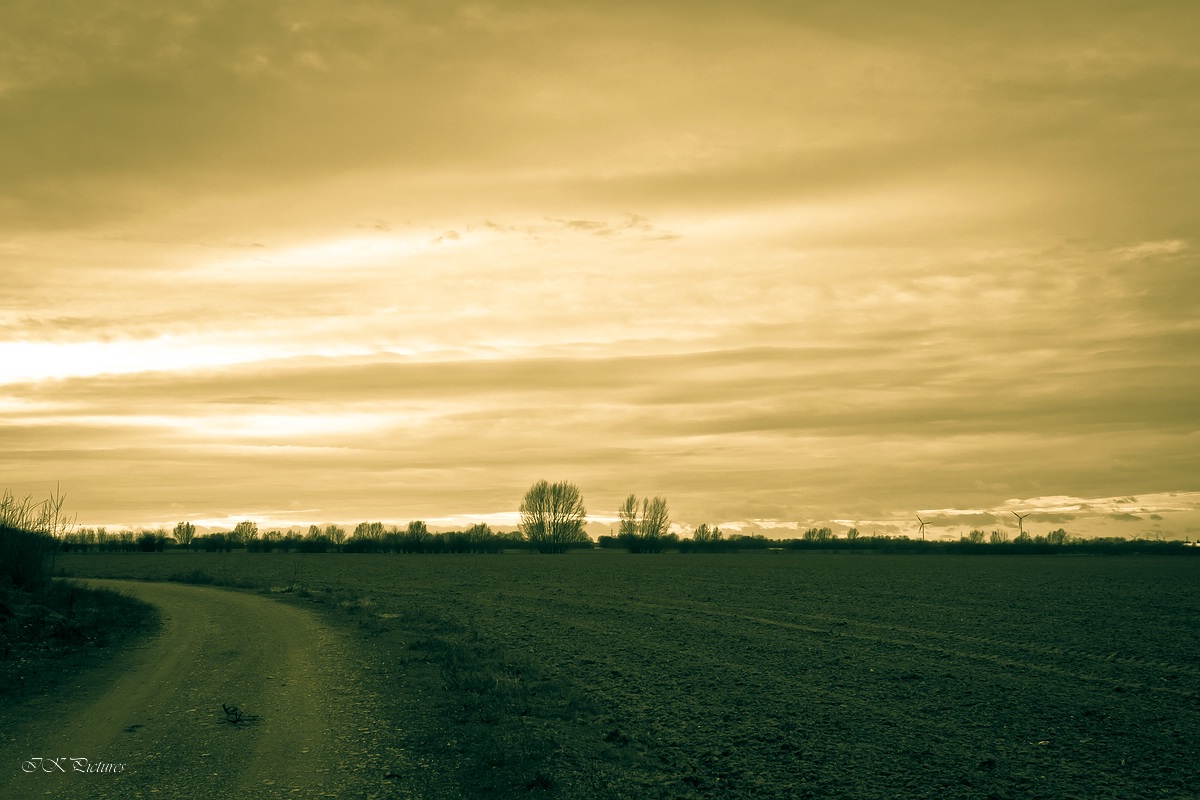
pixel 1021 522
pixel 922 527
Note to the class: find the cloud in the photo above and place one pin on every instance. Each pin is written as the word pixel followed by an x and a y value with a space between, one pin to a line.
pixel 965 519
pixel 784 263
pixel 1053 518
pixel 1150 249
pixel 632 222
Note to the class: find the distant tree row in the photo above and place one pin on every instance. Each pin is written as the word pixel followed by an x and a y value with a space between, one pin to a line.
pixel 552 520
pixel 704 540
pixel 978 542
pixel 372 537
pixel 481 539
pixel 368 537
pixel 126 541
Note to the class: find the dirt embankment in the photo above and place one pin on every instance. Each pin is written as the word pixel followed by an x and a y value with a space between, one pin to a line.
pixel 152 723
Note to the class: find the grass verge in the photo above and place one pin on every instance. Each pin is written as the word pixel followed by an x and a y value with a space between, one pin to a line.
pixel 53 632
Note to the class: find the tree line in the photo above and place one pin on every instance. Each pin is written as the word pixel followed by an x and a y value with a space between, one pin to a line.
pixel 552 520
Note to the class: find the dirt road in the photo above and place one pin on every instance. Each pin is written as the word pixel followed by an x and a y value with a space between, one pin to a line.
pixel 152 725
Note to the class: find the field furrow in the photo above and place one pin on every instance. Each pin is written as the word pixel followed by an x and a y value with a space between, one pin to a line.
pixel 792 676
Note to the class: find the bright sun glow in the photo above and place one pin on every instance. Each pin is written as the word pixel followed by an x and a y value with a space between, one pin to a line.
pixel 283 427
pixel 34 361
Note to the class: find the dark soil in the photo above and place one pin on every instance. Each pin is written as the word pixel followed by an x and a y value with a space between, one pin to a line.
pixel 789 675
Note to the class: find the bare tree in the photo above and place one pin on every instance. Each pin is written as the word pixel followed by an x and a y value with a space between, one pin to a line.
pixel 552 516
pixel 416 537
pixel 818 535
pixel 369 531
pixel 655 518
pixel 336 534
pixel 628 514
pixel 480 532
pixel 184 533
pixel 1057 538
pixel 245 532
pixel 369 537
pixel 645 532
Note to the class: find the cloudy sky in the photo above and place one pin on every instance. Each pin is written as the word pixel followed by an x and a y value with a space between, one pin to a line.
pixel 787 264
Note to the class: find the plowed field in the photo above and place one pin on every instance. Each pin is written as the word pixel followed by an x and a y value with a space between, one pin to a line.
pixel 811 675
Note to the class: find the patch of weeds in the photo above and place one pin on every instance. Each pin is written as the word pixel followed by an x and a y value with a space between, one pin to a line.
pixel 296 582
pixel 354 604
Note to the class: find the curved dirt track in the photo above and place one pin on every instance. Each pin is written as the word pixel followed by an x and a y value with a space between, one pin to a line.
pixel 158 710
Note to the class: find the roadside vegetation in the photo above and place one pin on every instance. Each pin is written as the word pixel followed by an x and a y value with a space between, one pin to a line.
pixel 49 628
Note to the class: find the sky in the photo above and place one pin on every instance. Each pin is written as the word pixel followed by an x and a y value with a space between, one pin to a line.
pixel 785 264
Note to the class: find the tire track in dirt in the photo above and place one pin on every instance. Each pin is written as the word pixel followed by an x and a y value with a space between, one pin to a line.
pixel 1105 657
pixel 948 646
pixel 1050 651
pixel 1019 655
pixel 306 727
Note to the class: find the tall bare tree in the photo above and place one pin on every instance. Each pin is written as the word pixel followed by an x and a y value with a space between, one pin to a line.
pixel 336 534
pixel 245 532
pixel 369 530
pixel 480 532
pixel 656 518
pixel 628 516
pixel 645 532
pixel 1058 537
pixel 553 515
pixel 416 537
pixel 184 533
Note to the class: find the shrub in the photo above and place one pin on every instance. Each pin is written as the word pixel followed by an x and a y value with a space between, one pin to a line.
pixel 27 537
pixel 23 556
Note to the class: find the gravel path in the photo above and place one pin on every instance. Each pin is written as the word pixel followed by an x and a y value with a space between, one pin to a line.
pixel 152 723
